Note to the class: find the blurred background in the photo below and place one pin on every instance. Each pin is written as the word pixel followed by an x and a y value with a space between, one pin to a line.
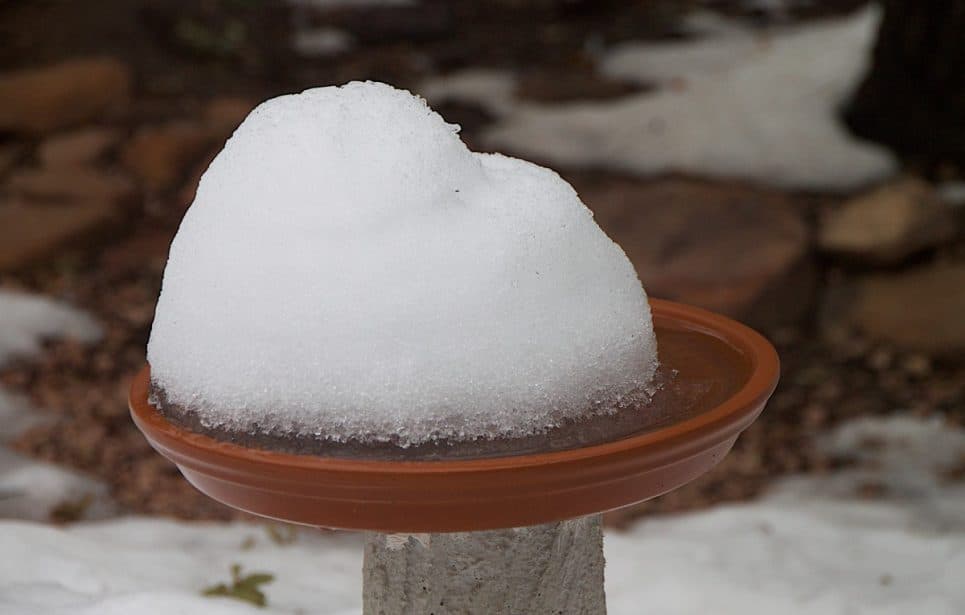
pixel 796 164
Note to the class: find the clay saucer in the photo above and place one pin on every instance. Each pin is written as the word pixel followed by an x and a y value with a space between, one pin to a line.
pixel 721 374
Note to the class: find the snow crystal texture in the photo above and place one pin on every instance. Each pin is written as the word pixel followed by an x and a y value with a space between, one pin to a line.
pixel 350 270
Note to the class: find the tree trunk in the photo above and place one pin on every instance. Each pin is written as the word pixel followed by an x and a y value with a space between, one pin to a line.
pixel 913 98
pixel 540 570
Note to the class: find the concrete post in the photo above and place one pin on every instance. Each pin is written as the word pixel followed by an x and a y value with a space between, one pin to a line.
pixel 556 568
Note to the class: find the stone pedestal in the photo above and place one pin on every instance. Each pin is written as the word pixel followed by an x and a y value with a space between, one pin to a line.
pixel 556 568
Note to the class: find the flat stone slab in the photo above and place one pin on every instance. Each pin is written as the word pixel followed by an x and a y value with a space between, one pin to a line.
pixel 730 248
pixel 919 310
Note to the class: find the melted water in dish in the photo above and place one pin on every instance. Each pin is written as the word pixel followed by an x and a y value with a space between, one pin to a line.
pixel 697 373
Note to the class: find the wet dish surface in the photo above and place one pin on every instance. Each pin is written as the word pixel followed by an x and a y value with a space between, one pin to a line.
pixel 718 375
pixel 697 372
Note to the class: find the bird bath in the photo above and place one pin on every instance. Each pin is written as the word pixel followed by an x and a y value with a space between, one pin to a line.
pixel 504 527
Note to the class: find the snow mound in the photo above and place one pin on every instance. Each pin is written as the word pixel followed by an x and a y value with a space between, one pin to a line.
pixel 735 104
pixel 27 320
pixel 350 270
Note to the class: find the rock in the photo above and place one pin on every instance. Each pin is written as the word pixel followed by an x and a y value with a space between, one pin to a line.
pixel 78 148
pixel 732 249
pixel 30 232
pixel 72 184
pixel 572 84
pixel 160 155
pixel 190 187
pixel 922 310
pixel 40 100
pixel 45 210
pixel 138 253
pixel 381 24
pixel 888 224
pixel 9 156
pixel 223 115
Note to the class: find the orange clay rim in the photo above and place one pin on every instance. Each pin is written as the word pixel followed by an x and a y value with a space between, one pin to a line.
pixel 714 426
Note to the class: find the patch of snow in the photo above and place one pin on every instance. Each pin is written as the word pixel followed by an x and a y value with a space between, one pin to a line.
pixel 702 22
pixel 490 88
pixel 154 566
pixel 31 490
pixel 724 44
pixel 828 558
pixel 952 192
pixel 764 112
pixel 805 550
pixel 775 9
pixel 321 42
pixel 16 416
pixel 902 460
pixel 28 320
pixel 349 269
pixel 898 444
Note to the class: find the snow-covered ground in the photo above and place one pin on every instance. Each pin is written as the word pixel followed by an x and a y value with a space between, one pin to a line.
pixel 30 489
pixel 28 320
pixel 732 102
pixel 813 547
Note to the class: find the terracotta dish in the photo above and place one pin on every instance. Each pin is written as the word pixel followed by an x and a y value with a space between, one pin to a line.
pixel 719 374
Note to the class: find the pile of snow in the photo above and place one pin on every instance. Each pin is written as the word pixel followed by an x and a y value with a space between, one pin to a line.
pixel 806 550
pixel 28 320
pixel 734 103
pixel 349 269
